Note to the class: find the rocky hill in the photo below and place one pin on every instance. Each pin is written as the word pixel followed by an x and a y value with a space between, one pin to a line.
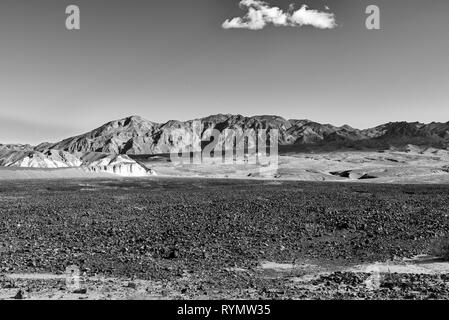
pixel 36 159
pixel 93 162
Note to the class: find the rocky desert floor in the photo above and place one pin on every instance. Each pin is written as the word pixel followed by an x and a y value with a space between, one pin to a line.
pixel 408 165
pixel 169 238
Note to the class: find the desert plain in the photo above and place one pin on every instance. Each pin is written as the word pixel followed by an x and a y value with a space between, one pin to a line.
pixel 336 225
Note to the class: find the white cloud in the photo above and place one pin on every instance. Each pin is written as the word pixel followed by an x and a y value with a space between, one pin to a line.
pixel 261 14
pixel 305 17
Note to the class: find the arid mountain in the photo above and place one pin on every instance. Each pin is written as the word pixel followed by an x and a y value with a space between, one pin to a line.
pixel 399 134
pixel 135 135
pixel 116 137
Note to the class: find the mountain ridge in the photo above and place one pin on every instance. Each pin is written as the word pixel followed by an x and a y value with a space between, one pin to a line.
pixel 135 135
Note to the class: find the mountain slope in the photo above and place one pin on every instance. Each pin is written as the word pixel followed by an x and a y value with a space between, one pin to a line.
pixel 113 137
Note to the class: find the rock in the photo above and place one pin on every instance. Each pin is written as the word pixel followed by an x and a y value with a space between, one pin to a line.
pixel 173 254
pixel 132 285
pixel 20 295
pixel 80 291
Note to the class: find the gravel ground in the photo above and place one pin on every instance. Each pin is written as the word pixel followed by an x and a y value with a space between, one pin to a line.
pixel 191 235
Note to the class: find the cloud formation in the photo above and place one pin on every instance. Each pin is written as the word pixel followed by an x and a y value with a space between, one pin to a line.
pixel 260 14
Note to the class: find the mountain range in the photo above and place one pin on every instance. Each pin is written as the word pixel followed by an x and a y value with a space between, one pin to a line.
pixel 135 135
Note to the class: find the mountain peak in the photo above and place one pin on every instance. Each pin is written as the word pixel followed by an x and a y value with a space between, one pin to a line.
pixel 133 119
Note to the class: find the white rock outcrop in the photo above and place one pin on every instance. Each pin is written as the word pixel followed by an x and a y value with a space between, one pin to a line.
pixel 50 159
pixel 121 165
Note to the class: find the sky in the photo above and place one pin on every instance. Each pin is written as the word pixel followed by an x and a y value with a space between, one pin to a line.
pixel 174 59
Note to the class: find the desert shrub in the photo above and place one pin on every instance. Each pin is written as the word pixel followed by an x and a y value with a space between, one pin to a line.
pixel 440 248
